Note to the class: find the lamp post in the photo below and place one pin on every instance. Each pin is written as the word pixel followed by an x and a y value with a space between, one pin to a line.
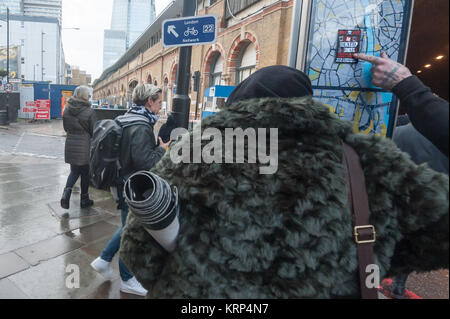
pixel 34 71
pixel 7 46
pixel 42 55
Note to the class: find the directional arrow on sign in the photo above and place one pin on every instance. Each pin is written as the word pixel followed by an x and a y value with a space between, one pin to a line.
pixel 171 29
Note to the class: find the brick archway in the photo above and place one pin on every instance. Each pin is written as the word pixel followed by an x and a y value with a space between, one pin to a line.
pixel 173 74
pixel 233 56
pixel 209 59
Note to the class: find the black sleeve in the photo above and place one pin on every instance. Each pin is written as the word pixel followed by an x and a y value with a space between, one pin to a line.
pixel 144 151
pixel 428 112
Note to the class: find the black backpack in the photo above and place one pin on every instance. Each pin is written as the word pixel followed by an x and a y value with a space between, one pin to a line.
pixel 104 161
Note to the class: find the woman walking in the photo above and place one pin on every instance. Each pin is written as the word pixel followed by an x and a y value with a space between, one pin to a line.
pixel 78 121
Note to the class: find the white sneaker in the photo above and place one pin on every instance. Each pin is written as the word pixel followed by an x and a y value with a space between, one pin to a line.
pixel 132 286
pixel 102 267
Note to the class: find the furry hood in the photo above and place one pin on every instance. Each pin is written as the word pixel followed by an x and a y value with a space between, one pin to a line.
pixel 289 235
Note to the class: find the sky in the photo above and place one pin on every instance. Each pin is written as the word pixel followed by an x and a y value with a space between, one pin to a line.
pixel 84 47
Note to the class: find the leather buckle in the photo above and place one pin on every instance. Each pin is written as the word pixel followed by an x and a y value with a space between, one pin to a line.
pixel 356 234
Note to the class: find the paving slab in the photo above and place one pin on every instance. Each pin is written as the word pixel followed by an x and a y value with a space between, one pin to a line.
pixel 52 279
pixel 47 249
pixel 93 232
pixel 12 187
pixel 67 225
pixel 22 213
pixel 10 200
pixel 10 264
pixel 73 212
pixel 10 291
pixel 8 165
pixel 116 220
pixel 108 205
pixel 58 180
pixel 110 290
pixel 16 236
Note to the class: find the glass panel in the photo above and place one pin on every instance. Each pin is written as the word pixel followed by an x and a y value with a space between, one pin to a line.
pixel 345 85
pixel 249 56
pixel 218 67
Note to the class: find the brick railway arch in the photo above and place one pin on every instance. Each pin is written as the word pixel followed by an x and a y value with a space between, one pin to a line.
pixel 173 76
pixel 237 50
pixel 215 52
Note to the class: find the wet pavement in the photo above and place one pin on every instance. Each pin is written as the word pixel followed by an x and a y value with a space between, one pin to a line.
pixel 40 243
pixel 42 247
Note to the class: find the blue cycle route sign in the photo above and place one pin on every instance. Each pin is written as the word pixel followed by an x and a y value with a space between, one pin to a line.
pixel 189 31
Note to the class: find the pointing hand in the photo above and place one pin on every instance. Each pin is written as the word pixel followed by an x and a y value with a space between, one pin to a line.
pixel 386 72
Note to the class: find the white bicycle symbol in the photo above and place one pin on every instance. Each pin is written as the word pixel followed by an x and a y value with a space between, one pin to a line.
pixel 191 31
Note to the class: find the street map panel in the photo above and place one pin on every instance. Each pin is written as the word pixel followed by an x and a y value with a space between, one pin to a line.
pixel 346 87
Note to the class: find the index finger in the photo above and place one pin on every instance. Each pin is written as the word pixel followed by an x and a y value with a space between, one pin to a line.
pixel 369 58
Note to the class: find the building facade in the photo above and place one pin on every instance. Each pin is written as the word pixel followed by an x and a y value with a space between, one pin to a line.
pixel 43 8
pixel 129 20
pixel 79 77
pixel 35 28
pixel 34 8
pixel 15 6
pixel 254 36
pixel 40 47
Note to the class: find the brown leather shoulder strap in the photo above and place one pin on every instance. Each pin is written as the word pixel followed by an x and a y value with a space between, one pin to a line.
pixel 364 233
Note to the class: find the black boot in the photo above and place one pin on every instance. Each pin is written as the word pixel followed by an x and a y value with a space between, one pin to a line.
pixel 85 202
pixel 65 199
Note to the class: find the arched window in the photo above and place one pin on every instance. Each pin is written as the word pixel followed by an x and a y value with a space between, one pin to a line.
pixel 156 83
pixel 149 79
pixel 246 63
pixel 167 95
pixel 216 70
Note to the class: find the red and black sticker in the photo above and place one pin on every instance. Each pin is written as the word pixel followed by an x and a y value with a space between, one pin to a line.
pixel 349 42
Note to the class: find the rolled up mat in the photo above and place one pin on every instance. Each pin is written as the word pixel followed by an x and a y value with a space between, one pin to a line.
pixel 153 202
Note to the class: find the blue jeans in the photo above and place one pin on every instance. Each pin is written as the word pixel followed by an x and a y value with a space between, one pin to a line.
pixel 113 247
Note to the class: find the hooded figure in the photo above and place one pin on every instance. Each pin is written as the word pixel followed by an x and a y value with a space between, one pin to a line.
pixel 78 121
pixel 289 234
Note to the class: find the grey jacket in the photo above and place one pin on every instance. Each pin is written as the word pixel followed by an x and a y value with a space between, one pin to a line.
pixel 78 121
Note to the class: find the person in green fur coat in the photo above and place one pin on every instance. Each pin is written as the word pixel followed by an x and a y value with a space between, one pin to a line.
pixel 289 234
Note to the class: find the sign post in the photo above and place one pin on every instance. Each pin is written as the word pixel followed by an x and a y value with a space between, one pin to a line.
pixel 184 33
pixel 190 31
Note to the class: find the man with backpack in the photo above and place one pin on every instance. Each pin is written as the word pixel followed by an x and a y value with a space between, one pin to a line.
pixel 138 151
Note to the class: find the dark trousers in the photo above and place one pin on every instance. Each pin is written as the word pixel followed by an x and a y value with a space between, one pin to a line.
pixel 75 173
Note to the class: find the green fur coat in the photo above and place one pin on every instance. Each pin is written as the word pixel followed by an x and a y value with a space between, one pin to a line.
pixel 289 235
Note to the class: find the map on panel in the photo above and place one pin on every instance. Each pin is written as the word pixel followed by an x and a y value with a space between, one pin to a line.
pixel 379 25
